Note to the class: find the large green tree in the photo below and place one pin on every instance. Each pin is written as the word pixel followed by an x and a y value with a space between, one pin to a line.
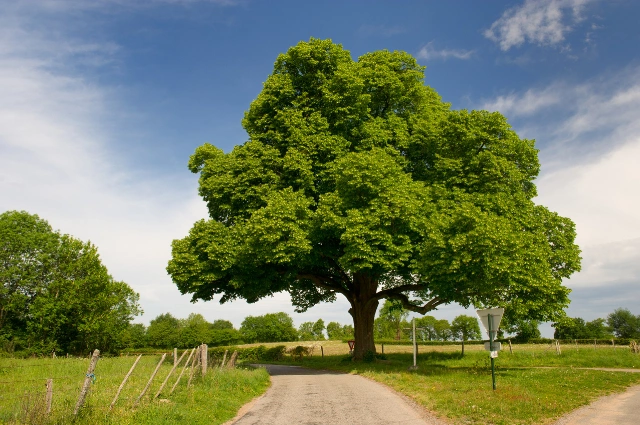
pixel 358 181
pixel 55 292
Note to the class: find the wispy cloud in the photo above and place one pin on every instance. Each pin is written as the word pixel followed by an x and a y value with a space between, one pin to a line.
pixel 58 160
pixel 429 52
pixel 589 137
pixel 541 22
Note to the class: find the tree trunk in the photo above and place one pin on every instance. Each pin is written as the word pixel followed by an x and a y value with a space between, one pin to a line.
pixel 363 310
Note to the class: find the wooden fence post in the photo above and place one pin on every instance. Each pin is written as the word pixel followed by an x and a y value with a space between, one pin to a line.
pixel 232 360
pixel 194 365
pixel 146 387
pixel 183 369
pixel 87 381
pixel 613 344
pixel 175 356
pixel 510 348
pixel 382 348
pixel 49 396
pixel 124 381
pixel 224 359
pixel 175 365
pixel 204 358
pixel 322 351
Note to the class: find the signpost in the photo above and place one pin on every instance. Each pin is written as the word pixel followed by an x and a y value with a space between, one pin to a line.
pixel 415 346
pixel 490 319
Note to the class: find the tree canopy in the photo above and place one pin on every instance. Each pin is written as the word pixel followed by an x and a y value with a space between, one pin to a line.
pixel 358 180
pixel 55 293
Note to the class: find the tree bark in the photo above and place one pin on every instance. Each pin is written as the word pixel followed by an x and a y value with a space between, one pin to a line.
pixel 363 310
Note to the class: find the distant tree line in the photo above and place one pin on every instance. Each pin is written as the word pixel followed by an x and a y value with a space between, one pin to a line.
pixel 621 324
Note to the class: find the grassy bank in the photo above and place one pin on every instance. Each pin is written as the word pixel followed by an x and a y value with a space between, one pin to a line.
pixel 212 399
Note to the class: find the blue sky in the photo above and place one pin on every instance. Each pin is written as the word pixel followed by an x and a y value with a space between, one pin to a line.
pixel 102 102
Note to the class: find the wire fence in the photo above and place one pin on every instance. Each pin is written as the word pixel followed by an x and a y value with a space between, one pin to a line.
pixel 64 387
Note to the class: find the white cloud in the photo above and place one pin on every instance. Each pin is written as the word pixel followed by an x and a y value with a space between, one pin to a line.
pixel 528 103
pixel 429 52
pixel 542 22
pixel 58 159
pixel 589 137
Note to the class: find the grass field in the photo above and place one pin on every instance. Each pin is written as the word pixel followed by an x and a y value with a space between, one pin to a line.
pixel 534 384
pixel 211 399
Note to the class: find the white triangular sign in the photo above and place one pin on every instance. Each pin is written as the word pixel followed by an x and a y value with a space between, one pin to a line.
pixel 496 317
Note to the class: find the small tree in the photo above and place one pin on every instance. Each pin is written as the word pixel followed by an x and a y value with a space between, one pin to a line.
pixel 465 328
pixel 427 325
pixel 442 328
pixel 272 327
pixel 524 329
pixel 318 330
pixel 164 331
pixel 624 324
pixel 305 331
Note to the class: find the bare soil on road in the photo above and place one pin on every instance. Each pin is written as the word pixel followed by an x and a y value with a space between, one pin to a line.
pixel 313 397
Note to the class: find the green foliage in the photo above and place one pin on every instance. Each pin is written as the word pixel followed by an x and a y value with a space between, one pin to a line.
pixel 272 327
pixel 194 330
pixel 336 331
pixel 576 328
pixel 624 324
pixel 55 293
pixel 465 327
pixel 358 180
pixel 427 331
pixel 525 330
pixel 164 331
pixel 221 324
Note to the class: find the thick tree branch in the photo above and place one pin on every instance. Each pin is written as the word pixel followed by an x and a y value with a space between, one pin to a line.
pixel 399 290
pixel 406 303
pixel 324 282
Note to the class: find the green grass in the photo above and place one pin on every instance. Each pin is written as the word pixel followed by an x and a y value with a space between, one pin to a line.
pixel 212 399
pixel 459 388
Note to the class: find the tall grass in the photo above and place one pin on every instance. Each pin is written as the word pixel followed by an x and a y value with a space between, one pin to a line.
pixel 211 399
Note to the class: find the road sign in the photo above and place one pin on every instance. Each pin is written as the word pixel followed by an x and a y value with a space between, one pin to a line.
pixel 496 317
pixel 490 319
pixel 496 346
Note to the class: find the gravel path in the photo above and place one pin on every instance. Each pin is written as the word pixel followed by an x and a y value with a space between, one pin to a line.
pixel 618 409
pixel 312 397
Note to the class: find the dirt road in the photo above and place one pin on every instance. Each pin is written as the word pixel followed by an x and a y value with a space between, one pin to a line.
pixel 616 409
pixel 312 397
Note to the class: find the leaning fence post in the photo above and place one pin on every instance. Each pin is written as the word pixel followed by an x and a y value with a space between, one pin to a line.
pixel 87 381
pixel 175 356
pixel 224 359
pixel 124 381
pixel 49 396
pixel 232 360
pixel 182 373
pixel 175 365
pixel 194 365
pixel 150 379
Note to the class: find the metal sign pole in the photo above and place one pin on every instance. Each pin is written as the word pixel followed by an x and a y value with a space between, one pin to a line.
pixel 493 371
pixel 415 346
